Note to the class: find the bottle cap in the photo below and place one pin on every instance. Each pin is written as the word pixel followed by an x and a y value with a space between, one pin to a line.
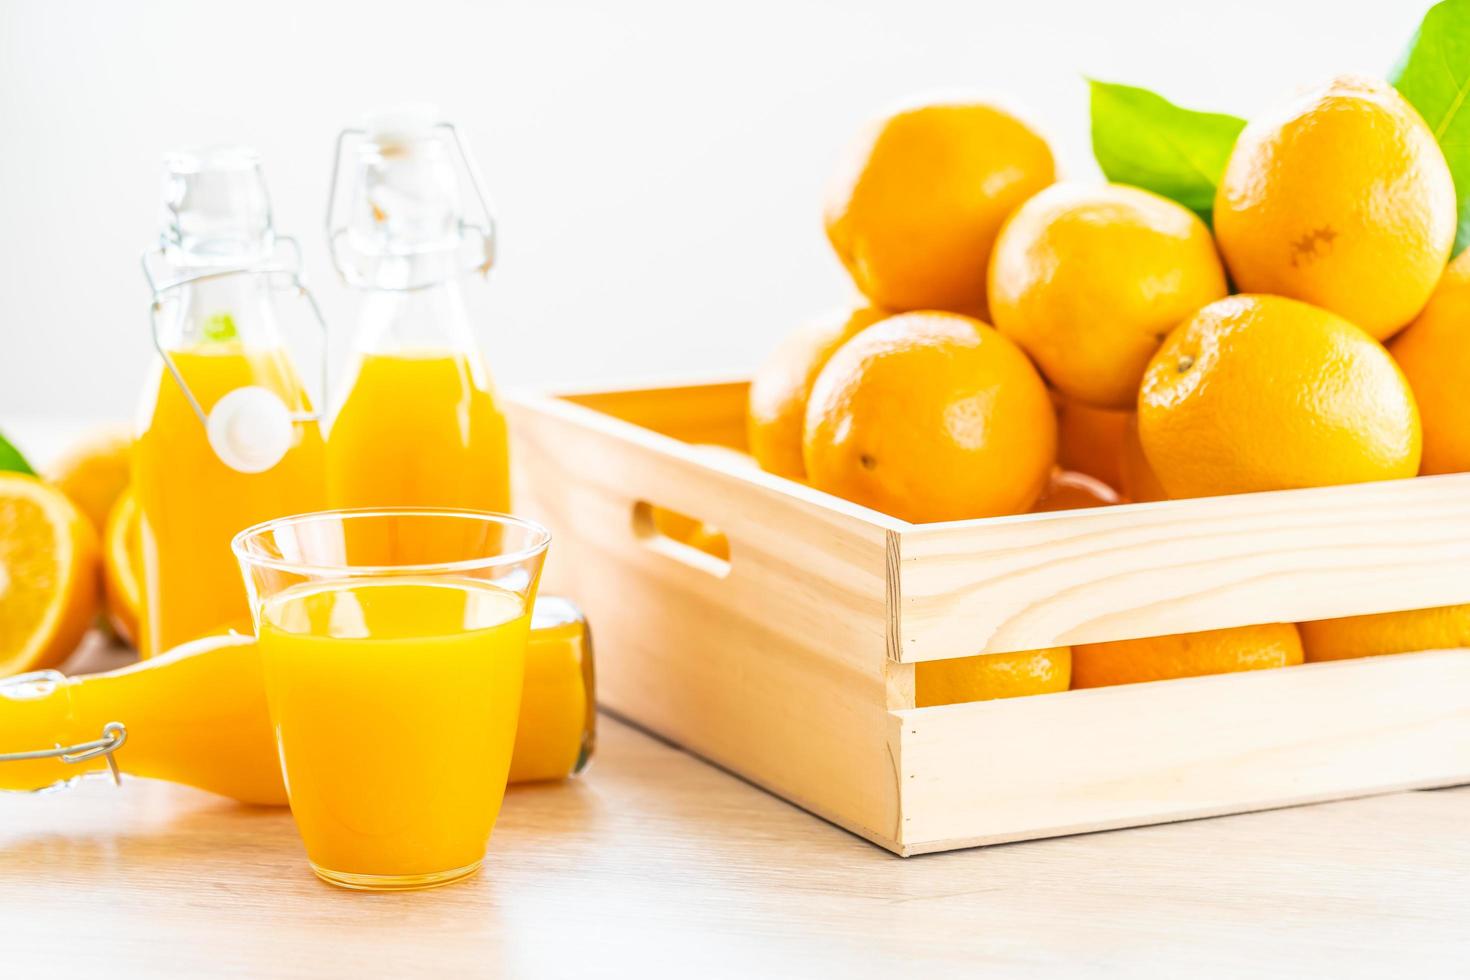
pixel 250 429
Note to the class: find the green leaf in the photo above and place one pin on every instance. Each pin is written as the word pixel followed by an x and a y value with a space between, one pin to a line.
pixel 11 460
pixel 1143 139
pixel 220 327
pixel 1434 75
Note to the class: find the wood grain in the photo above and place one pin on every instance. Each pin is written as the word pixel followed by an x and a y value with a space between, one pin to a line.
pixel 793 665
pixel 780 667
pixel 1113 573
pixel 654 864
pixel 1139 753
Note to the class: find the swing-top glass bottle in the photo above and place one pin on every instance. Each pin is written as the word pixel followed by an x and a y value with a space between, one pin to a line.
pixel 418 423
pixel 226 432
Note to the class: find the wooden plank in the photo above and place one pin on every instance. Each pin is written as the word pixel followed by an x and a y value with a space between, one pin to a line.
pixel 653 851
pixel 696 413
pixel 1081 761
pixel 1114 573
pixel 779 669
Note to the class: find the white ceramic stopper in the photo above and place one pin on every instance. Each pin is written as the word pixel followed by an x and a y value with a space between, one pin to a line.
pixel 250 429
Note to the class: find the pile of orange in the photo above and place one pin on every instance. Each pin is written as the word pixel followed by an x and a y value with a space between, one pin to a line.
pixel 1024 344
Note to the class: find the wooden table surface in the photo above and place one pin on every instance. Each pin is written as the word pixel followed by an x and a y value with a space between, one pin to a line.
pixel 657 863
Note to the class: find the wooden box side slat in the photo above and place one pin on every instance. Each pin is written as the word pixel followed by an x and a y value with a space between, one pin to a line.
pixel 779 669
pixel 695 413
pixel 1184 565
pixel 1081 761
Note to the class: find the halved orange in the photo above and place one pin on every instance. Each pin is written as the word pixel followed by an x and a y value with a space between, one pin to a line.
pixel 48 574
pixel 122 568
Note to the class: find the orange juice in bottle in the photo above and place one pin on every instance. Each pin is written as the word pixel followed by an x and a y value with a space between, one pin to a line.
pixel 418 423
pixel 226 434
pixel 198 714
pixel 558 730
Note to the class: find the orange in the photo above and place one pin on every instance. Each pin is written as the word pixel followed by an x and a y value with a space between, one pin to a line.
pixel 1090 279
pixel 695 533
pixel 916 207
pixel 48 574
pixel 777 407
pixel 95 471
pixel 1139 484
pixel 1350 637
pixel 122 567
pixel 1068 490
pixel 1434 353
pixel 1342 198
pixel 1186 655
pixel 931 417
pixel 1264 393
pixel 992 675
pixel 1090 440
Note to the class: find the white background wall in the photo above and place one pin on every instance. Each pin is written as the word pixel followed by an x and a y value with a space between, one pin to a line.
pixel 658 167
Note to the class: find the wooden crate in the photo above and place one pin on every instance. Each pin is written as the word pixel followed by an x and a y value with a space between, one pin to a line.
pixel 792 664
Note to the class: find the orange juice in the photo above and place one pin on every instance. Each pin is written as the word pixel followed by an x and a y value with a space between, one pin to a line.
pixel 419 428
pixel 557 731
pixel 192 504
pixel 395 705
pixel 196 715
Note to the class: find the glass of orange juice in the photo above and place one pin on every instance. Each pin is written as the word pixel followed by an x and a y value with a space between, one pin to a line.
pixel 393 643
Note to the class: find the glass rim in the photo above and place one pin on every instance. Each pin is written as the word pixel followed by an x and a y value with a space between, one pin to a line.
pixel 241 543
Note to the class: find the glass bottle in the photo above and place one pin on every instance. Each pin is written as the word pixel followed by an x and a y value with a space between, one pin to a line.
pixel 226 432
pixel 198 715
pixel 418 423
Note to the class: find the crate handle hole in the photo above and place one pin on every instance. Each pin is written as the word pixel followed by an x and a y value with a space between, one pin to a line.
pixel 686 539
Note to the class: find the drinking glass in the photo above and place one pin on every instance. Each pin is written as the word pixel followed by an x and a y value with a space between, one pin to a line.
pixel 393 643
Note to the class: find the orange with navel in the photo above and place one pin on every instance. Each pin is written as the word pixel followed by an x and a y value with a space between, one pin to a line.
pixel 776 409
pixel 1160 658
pixel 1266 393
pixel 1434 353
pixel 919 200
pixel 1341 198
pixel 1090 279
pixel 931 417
pixel 992 675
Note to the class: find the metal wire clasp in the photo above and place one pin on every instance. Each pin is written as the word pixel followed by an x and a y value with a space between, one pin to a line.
pixel 290 271
pixel 114 733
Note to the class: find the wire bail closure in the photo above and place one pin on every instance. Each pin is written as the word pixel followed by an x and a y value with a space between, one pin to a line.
pixel 289 271
pixel 114 734
pixel 484 231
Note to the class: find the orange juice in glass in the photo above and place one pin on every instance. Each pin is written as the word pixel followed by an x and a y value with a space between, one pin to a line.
pixel 394 674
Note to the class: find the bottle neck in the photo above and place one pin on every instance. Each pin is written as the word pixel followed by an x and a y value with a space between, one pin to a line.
pixel 430 319
pixel 234 309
